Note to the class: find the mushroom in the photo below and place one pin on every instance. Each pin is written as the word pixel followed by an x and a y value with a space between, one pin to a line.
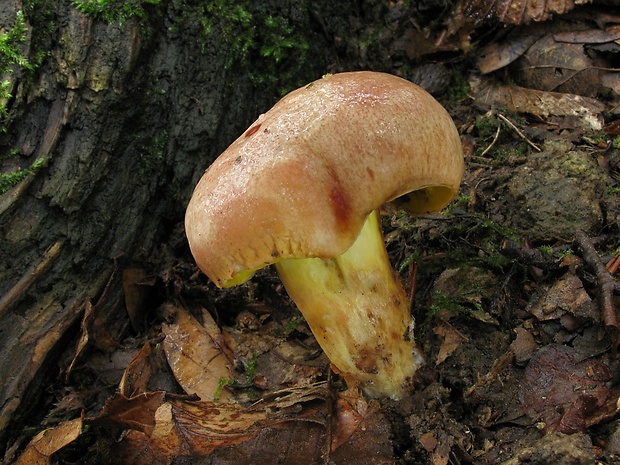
pixel 301 189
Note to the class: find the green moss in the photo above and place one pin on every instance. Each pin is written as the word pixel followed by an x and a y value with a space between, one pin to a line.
pixel 112 11
pixel 611 191
pixel 8 180
pixel 460 240
pixel 12 59
pixel 459 88
pixel 465 290
pixel 260 43
pixel 222 383
pixel 250 367
pixel 497 141
pixel 293 324
pixel 460 202
pixel 456 305
pixel 10 54
pixel 152 153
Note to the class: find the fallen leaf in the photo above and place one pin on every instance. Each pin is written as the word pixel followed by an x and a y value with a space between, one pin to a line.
pixel 613 128
pixel 587 111
pixel 452 340
pixel 87 321
pixel 523 346
pixel 441 454
pixel 198 429
pixel 563 392
pixel 555 448
pixel 497 55
pixel 350 410
pixel 554 66
pixel 137 374
pixel 566 295
pixel 135 413
pixel 370 443
pixel 429 442
pixel 589 36
pixel 195 356
pixel 288 427
pixel 41 448
pixel 517 11
pixel 135 296
pixel 463 291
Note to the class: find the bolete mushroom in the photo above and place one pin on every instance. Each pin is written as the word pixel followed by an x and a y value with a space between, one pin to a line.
pixel 301 188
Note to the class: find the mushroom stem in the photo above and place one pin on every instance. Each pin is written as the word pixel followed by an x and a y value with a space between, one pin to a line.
pixel 358 311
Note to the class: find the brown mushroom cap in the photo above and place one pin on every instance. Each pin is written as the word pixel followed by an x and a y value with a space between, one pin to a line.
pixel 302 179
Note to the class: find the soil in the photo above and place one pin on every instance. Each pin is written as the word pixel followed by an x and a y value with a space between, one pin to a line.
pixel 513 296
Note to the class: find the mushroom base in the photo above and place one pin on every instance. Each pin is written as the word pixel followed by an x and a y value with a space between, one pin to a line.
pixel 358 312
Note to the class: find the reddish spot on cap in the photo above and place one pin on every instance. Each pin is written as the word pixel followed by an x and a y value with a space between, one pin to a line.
pixel 340 204
pixel 252 130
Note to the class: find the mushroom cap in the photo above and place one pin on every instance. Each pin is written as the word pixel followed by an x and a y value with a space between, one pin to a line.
pixel 302 179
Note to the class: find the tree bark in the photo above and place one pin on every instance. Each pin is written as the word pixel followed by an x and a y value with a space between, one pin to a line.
pixel 126 115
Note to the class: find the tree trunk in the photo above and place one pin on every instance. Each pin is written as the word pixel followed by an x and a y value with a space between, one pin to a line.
pixel 125 115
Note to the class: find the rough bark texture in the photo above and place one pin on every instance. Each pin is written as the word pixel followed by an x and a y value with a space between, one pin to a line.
pixel 127 116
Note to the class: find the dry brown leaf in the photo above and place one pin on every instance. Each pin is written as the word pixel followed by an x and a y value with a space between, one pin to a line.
pixel 287 427
pixel 497 55
pixel 452 340
pixel 428 441
pixel 589 36
pixel 135 296
pixel 540 103
pixel 350 410
pixel 137 374
pixel 196 357
pixel 566 295
pixel 87 321
pixel 558 67
pixel 523 346
pixel 517 11
pixel 441 454
pixel 136 413
pixel 41 448
pixel 566 394
pixel 370 442
pixel 195 430
pixel 613 128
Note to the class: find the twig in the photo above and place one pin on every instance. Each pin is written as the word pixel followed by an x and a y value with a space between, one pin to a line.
pixel 518 131
pixel 605 283
pixel 499 365
pixel 499 128
pixel 528 255
pixel 614 264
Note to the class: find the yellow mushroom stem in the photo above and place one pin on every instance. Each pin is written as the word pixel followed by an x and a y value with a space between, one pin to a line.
pixel 358 311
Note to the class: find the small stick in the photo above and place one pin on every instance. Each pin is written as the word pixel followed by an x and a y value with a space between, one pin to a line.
pixel 531 256
pixel 516 129
pixel 614 264
pixel 499 128
pixel 606 285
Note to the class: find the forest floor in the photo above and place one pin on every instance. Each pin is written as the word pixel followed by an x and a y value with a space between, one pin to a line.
pixel 512 291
